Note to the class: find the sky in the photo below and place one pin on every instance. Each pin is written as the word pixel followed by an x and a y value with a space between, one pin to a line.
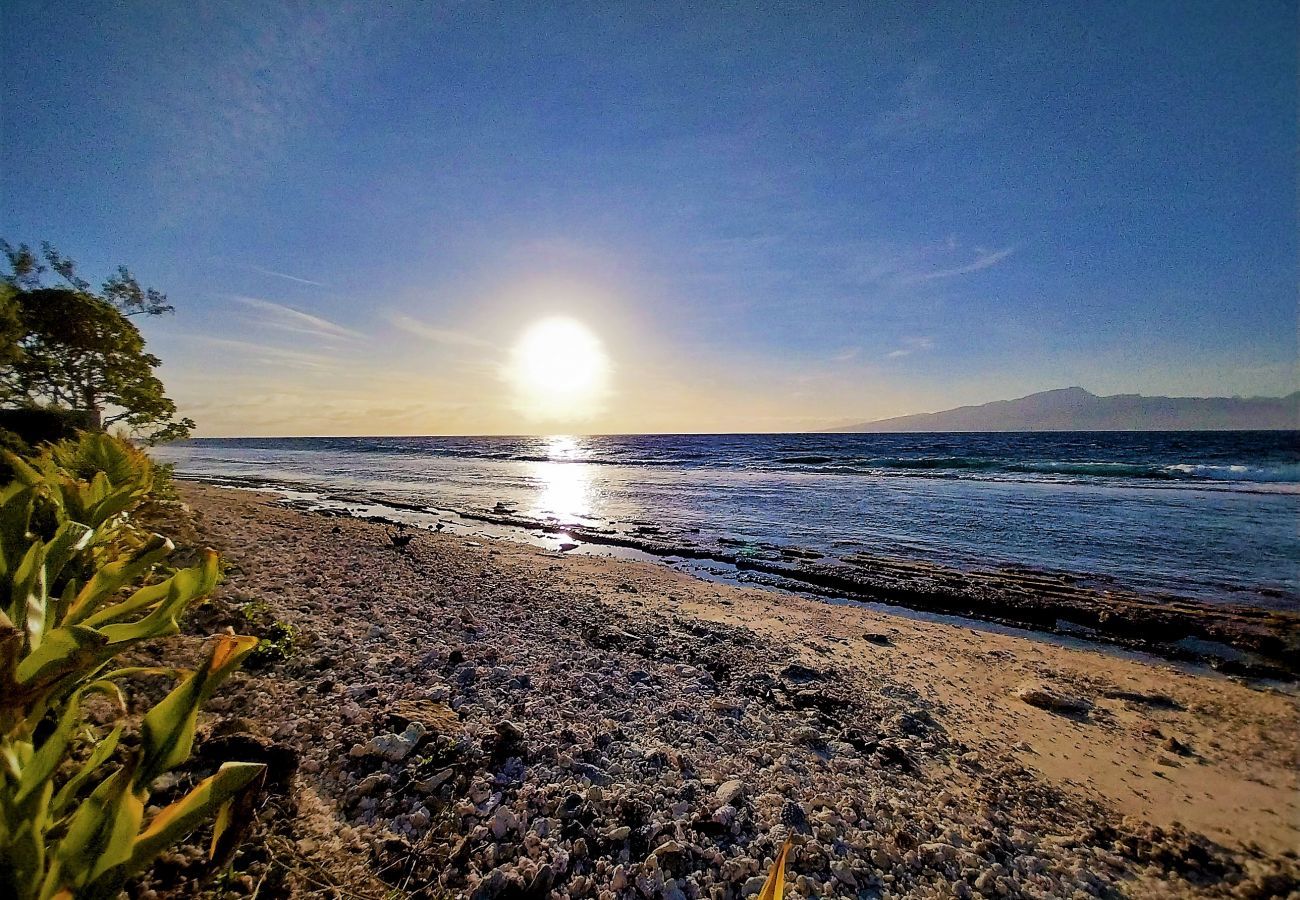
pixel 766 217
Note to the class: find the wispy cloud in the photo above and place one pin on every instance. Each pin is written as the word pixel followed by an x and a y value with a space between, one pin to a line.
pixel 927 101
pixel 284 275
pixel 985 260
pixel 285 318
pixel 432 333
pixel 911 345
pixel 262 353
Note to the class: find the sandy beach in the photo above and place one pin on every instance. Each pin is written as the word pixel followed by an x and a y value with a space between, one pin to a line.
pixel 465 717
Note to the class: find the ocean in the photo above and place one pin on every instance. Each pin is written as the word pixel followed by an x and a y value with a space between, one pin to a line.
pixel 1211 515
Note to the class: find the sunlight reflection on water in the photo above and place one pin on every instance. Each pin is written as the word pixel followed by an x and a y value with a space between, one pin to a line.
pixel 565 487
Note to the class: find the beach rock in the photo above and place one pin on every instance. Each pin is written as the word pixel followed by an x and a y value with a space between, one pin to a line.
pixel 725 815
pixel 433 716
pixel 281 759
pixel 504 821
pixel 371 783
pixel 730 793
pixel 396 747
pixel 434 781
pixel 494 884
pixel 1037 694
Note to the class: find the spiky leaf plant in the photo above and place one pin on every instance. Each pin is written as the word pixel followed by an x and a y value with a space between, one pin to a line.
pixel 80 583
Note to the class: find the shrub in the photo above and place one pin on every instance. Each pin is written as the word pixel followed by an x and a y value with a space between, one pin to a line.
pixel 80 584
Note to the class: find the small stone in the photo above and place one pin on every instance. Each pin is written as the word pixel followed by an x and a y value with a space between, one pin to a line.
pixel 1039 695
pixel 503 822
pixel 730 793
pixel 371 783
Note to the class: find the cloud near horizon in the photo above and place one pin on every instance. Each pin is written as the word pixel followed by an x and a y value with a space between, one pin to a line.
pixel 432 333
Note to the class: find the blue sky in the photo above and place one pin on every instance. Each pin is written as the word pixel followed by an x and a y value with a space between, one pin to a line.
pixel 773 217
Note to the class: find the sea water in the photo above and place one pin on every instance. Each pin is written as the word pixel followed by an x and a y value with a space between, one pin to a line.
pixel 1214 515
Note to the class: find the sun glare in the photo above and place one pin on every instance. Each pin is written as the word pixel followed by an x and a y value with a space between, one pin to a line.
pixel 559 370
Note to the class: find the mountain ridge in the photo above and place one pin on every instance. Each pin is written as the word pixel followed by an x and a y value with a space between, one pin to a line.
pixel 1077 409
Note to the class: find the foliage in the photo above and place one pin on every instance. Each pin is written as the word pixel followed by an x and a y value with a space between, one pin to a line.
pixel 275 645
pixel 121 290
pixel 79 585
pixel 164 481
pixel 37 426
pixel 276 639
pixel 72 347
pixel 11 326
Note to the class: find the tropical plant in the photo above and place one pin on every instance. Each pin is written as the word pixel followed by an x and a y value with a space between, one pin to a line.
pixel 80 583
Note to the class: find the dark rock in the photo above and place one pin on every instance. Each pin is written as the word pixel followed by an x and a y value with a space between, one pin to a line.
pixel 799 674
pixel 281 760
pixel 540 886
pixel 1157 701
pixel 495 884
pixel 1045 698
pixel 793 817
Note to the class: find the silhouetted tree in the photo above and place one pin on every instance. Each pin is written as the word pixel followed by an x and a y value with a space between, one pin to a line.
pixel 74 348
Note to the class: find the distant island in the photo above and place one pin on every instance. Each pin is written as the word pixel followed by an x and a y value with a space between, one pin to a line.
pixel 1075 409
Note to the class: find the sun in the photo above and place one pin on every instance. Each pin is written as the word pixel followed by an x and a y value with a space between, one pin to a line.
pixel 559 370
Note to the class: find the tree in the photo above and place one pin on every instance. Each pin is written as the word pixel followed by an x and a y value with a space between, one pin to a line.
pixel 78 349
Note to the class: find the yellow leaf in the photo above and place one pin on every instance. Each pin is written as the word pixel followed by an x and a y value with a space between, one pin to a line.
pixel 774 887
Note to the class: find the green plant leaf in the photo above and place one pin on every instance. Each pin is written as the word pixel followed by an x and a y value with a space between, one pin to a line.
pixel 45 761
pixel 103 750
pixel 193 583
pixel 180 818
pixel 116 575
pixel 27 595
pixel 167 732
pixel 64 650
pixel 100 835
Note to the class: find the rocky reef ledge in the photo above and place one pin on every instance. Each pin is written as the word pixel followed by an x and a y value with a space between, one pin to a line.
pixel 1241 639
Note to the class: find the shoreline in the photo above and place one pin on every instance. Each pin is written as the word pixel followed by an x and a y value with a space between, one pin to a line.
pixel 1235 639
pixel 486 719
